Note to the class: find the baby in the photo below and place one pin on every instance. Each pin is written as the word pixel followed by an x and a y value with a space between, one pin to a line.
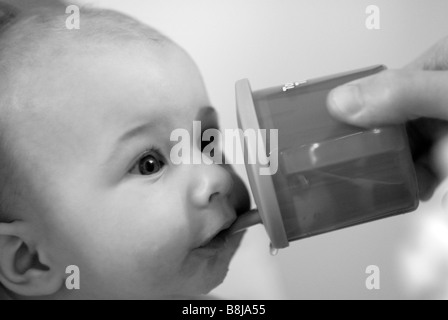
pixel 85 174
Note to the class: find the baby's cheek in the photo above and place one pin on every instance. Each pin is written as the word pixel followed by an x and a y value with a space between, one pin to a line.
pixel 158 266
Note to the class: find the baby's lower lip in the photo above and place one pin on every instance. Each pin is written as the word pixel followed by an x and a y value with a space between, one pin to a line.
pixel 214 246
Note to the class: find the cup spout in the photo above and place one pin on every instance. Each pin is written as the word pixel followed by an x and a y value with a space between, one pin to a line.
pixel 245 221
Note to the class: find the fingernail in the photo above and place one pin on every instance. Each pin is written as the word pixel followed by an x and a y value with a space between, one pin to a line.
pixel 346 100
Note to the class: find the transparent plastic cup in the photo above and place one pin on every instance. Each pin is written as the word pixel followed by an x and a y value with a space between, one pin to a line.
pixel 330 175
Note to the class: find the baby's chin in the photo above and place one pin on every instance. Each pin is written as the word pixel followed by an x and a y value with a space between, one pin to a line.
pixel 216 266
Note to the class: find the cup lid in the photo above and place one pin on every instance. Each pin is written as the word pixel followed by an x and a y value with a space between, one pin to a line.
pixel 262 185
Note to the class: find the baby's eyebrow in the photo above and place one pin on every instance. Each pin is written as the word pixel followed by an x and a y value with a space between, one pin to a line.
pixel 144 128
pixel 129 135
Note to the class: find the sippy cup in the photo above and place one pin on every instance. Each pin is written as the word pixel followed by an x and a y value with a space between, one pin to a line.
pixel 329 175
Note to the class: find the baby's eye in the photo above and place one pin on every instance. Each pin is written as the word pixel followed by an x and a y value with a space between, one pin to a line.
pixel 150 163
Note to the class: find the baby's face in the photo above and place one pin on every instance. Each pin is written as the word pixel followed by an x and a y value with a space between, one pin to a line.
pixel 105 195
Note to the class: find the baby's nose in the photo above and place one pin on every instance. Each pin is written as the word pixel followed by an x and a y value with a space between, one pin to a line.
pixel 209 182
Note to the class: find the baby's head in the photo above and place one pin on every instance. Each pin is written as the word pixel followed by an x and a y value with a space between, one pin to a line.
pixel 85 173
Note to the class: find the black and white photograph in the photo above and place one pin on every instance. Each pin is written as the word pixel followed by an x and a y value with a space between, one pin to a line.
pixel 223 155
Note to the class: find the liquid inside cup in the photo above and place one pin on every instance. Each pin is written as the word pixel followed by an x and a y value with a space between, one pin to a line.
pixel 332 175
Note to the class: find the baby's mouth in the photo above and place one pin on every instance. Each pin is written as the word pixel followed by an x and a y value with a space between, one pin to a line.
pixel 218 239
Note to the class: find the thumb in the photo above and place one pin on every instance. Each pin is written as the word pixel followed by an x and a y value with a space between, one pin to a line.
pixel 391 97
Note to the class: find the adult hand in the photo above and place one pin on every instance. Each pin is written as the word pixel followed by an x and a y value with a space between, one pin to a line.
pixel 416 95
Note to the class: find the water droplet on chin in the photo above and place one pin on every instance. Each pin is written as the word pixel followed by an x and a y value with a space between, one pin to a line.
pixel 273 251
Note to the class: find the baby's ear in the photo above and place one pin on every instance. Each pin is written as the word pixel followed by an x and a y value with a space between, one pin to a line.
pixel 24 268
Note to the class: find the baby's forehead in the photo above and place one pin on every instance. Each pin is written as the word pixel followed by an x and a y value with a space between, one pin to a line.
pixel 40 39
pixel 88 92
pixel 64 83
pixel 94 73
